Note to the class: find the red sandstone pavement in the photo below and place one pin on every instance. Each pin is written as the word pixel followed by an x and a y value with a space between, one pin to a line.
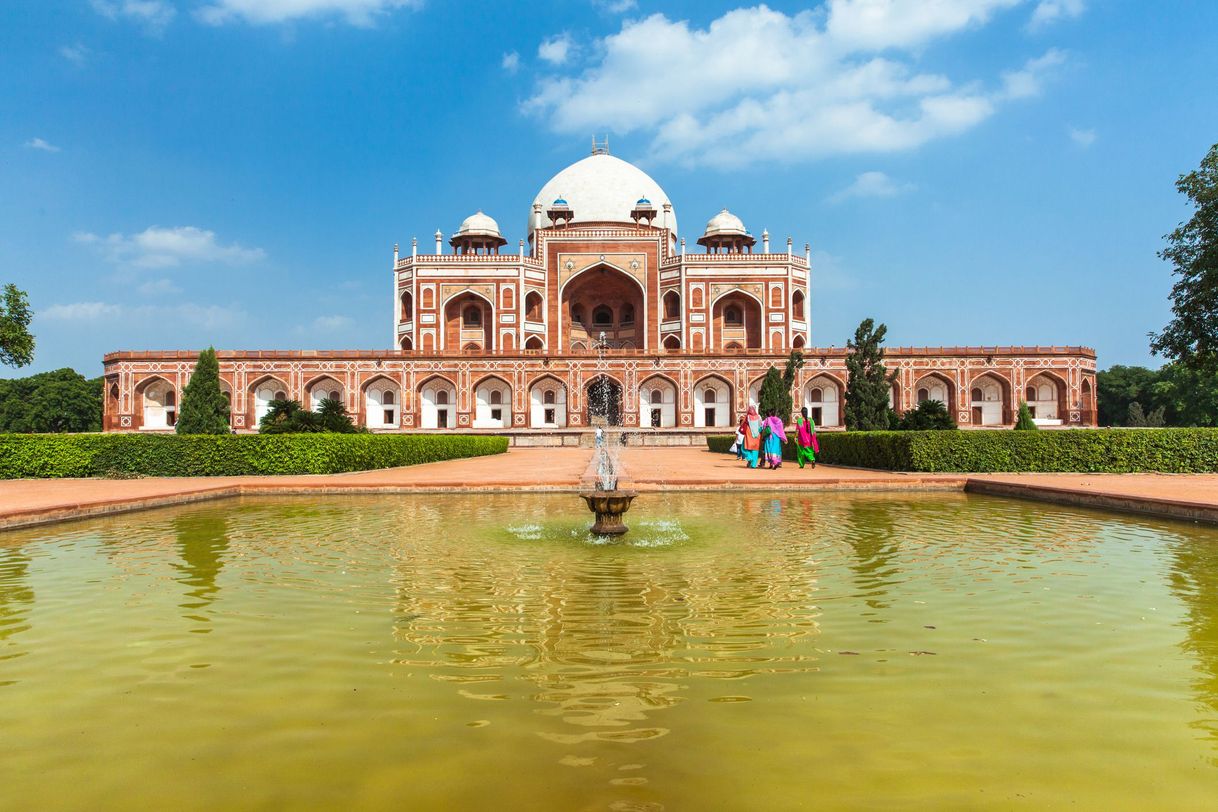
pixel 28 502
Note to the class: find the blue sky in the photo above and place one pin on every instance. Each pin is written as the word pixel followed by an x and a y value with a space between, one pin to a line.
pixel 178 173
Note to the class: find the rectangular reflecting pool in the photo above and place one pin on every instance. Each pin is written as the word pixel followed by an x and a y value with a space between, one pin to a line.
pixel 742 651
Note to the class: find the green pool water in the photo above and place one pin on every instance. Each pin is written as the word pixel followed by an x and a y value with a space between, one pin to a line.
pixel 733 652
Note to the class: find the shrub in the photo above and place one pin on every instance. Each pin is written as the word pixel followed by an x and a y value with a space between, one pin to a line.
pixel 1024 421
pixel 930 415
pixel 83 455
pixel 289 417
pixel 1080 450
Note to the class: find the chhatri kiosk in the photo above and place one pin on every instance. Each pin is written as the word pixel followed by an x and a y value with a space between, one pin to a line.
pixel 601 313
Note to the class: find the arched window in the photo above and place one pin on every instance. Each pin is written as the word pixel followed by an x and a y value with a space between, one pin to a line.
pixel 427 299
pixel 672 305
pixel 280 394
pixel 816 395
pixel 387 398
pixel 656 396
pixel 1030 393
pixel 924 395
pixel 548 397
pixel 496 397
pixel 441 397
pixel 710 395
pixel 471 347
pixel 407 306
pixel 509 298
pixel 170 398
pixel 695 298
pixel 627 314
pixel 532 304
pixel 334 395
pixel 672 343
pixel 534 343
pixel 797 343
pixel 976 393
pixel 797 305
pixel 472 316
pixel 602 316
pixel 776 298
pixel 407 344
pixel 733 316
pixel 733 345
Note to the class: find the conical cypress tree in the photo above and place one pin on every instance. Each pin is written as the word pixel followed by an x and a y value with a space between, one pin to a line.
pixel 774 398
pixel 868 382
pixel 204 409
pixel 1024 421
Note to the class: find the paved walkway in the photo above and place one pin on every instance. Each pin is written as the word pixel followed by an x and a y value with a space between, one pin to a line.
pixel 1183 496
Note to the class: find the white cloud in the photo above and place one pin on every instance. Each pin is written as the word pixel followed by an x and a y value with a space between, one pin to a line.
pixel 872 184
pixel 76 54
pixel 152 15
pixel 1052 11
pixel 617 6
pixel 879 24
pixel 209 316
pixel 361 13
pixel 1029 80
pixel 39 144
pixel 758 84
pixel 157 247
pixel 1084 138
pixel 555 50
pixel 330 323
pixel 81 311
pixel 156 287
pixel 511 62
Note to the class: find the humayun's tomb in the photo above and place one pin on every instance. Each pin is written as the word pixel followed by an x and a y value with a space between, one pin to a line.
pixel 604 315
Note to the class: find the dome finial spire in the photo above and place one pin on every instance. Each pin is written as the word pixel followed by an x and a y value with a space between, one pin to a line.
pixel 601 147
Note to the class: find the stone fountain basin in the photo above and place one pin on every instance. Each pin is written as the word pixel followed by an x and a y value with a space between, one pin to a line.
pixel 609 507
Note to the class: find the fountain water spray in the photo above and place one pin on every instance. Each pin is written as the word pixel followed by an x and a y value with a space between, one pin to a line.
pixel 605 500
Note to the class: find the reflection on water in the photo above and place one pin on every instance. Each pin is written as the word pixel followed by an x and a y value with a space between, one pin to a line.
pixel 1194 580
pixel 854 650
pixel 202 542
pixel 16 600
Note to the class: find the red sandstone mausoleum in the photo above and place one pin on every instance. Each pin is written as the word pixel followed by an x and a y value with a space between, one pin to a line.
pixel 604 315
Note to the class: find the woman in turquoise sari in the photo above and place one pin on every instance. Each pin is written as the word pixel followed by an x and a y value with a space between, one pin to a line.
pixel 773 440
pixel 752 437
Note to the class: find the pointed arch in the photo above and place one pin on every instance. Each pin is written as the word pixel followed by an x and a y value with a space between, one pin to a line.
pixel 492 402
pixel 658 401
pixel 1047 396
pixel 156 402
pixel 934 385
pixel 547 402
pixel 437 402
pixel 712 401
pixel 990 399
pixel 382 402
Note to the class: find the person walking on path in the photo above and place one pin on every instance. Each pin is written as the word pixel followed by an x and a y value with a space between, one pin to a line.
pixel 806 445
pixel 773 441
pixel 752 437
pixel 739 444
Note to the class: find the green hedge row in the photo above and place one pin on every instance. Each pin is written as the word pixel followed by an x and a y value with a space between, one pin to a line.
pixel 1082 451
pixel 37 456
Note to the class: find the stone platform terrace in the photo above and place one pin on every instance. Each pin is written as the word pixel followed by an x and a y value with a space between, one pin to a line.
pixel 32 502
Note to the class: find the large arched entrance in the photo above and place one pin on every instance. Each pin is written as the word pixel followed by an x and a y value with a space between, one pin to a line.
pixel 658 403
pixel 736 320
pixel 603 399
pixel 603 300
pixel 469 323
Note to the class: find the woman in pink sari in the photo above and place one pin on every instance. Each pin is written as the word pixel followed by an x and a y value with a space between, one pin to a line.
pixel 806 446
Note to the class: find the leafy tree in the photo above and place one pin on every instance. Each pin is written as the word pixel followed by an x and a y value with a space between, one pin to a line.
pixel 282 417
pixel 868 382
pixel 930 415
pixel 204 409
pixel 59 401
pixel 1139 419
pixel 1024 421
pixel 1191 337
pixel 16 343
pixel 1119 386
pixel 773 397
pixel 1188 397
pixel 775 391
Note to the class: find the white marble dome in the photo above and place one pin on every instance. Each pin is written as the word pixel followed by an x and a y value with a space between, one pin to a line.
pixel 725 224
pixel 479 225
pixel 603 188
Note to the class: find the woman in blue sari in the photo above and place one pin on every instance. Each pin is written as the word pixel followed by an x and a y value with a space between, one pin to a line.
pixel 773 440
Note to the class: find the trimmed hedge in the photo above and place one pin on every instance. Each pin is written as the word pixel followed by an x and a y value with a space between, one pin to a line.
pixel 40 456
pixel 1175 451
